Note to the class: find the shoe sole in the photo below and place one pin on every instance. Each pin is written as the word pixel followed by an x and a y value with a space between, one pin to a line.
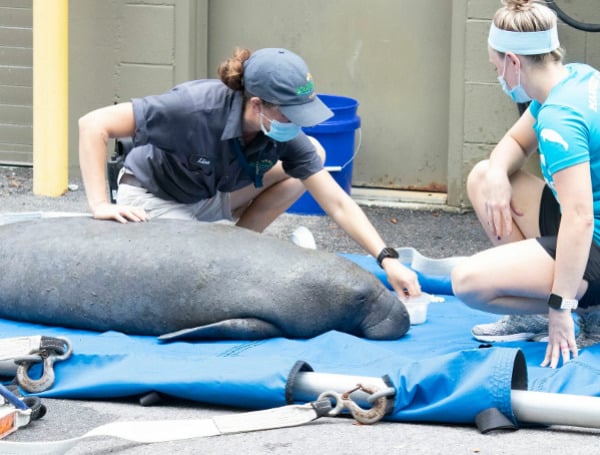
pixel 582 344
pixel 504 338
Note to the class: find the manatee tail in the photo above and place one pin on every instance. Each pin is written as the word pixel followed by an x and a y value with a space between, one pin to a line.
pixel 230 329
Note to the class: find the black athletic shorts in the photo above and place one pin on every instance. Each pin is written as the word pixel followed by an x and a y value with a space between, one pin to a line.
pixel 549 223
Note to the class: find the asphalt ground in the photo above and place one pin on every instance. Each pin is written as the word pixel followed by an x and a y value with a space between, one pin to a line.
pixel 435 233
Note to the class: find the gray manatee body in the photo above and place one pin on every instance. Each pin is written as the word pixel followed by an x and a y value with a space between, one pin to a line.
pixel 184 279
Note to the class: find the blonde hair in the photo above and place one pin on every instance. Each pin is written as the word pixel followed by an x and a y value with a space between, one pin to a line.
pixel 231 71
pixel 528 16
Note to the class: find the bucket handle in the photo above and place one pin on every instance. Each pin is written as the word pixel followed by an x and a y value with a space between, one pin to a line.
pixel 356 149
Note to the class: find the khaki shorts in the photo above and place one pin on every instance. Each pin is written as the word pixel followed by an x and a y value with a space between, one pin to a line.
pixel 217 208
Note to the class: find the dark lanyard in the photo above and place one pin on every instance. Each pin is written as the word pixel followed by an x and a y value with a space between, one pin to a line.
pixel 253 170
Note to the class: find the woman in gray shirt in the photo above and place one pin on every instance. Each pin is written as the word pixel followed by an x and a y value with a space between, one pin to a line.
pixel 228 149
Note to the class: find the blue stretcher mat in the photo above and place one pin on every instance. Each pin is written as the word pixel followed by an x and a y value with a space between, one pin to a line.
pixel 440 372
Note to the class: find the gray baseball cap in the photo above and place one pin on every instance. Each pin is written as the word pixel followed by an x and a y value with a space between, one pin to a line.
pixel 280 77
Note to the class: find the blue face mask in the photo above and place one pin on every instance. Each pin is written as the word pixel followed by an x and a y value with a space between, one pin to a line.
pixel 279 131
pixel 517 93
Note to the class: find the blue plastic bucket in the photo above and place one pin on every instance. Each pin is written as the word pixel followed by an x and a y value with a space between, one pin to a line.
pixel 337 136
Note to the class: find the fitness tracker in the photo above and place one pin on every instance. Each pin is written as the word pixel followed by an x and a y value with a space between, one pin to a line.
pixel 387 252
pixel 558 303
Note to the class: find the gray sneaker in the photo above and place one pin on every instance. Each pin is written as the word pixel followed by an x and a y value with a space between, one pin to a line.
pixel 589 329
pixel 514 327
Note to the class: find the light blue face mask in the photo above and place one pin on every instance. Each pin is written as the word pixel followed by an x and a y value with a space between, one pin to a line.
pixel 279 131
pixel 517 93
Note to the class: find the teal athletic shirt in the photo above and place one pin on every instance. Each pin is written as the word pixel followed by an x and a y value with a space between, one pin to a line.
pixel 568 129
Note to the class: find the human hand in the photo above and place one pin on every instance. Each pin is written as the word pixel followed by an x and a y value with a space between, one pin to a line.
pixel 402 279
pixel 561 338
pixel 497 192
pixel 120 213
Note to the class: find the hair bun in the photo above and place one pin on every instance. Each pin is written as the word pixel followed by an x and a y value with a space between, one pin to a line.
pixel 231 71
pixel 518 5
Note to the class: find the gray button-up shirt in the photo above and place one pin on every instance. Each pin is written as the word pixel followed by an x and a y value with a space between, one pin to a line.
pixel 183 147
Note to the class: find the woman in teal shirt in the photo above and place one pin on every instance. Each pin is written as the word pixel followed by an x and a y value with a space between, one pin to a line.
pixel 546 231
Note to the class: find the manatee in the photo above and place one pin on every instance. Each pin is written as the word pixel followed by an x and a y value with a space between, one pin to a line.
pixel 186 280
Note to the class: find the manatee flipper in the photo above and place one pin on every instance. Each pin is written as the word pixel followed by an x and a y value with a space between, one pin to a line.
pixel 229 329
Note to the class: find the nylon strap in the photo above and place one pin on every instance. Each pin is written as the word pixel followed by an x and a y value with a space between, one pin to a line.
pixel 11 348
pixel 492 419
pixel 175 430
pixel 252 172
pixel 427 265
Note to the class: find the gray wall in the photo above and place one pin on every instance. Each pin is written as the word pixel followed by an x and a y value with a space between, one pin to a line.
pixel 16 95
pixel 429 100
pixel 123 49
pixel 390 55
pixel 384 54
pixel 480 113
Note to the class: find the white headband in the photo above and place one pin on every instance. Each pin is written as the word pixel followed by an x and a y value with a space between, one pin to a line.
pixel 523 43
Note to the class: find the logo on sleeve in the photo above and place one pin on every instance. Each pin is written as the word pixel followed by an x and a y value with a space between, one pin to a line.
pixel 549 135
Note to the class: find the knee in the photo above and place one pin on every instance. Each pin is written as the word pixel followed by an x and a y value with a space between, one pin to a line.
pixel 320 149
pixel 462 279
pixel 457 278
pixel 476 177
pixel 472 287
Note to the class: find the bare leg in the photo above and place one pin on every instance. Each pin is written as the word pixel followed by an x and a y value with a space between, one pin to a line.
pixel 515 276
pixel 512 278
pixel 526 193
pixel 259 207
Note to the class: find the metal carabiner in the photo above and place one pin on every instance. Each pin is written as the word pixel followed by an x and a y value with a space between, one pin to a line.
pixel 364 416
pixel 48 357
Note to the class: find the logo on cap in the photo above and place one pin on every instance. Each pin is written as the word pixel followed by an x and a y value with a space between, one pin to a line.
pixel 307 88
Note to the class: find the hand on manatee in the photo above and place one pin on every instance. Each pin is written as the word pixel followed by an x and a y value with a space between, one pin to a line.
pixel 403 280
pixel 120 213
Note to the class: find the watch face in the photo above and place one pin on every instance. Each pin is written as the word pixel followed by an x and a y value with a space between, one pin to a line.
pixel 555 301
pixel 390 253
pixel 387 252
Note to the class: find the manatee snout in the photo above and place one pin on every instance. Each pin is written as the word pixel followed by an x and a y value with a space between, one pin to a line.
pixel 387 320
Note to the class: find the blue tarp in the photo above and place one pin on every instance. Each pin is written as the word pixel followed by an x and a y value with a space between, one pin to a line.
pixel 441 374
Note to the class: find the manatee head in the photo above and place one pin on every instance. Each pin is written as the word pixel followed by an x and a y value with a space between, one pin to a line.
pixel 387 318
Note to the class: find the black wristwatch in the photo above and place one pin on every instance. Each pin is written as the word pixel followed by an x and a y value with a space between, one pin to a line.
pixel 558 303
pixel 387 252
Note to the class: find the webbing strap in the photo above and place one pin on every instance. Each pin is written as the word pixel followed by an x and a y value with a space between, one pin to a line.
pixel 252 171
pixel 175 430
pixel 427 265
pixel 492 419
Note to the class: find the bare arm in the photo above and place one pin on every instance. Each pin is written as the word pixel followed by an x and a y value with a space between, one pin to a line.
pixel 574 190
pixel 350 217
pixel 95 128
pixel 515 146
pixel 573 186
pixel 508 156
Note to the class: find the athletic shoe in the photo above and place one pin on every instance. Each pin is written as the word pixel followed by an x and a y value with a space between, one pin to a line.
pixel 513 327
pixel 589 329
pixel 303 238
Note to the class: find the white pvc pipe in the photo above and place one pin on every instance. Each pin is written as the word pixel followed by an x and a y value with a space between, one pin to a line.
pixel 531 407
pixel 556 408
